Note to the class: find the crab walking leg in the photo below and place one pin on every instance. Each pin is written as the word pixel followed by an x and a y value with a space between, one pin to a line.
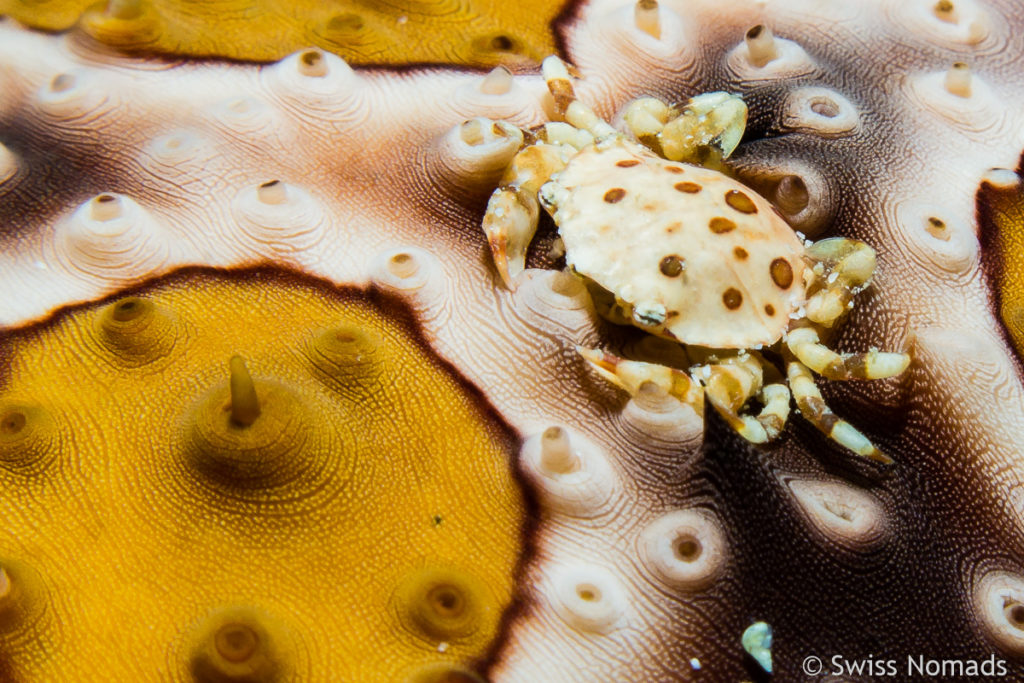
pixel 512 211
pixel 631 374
pixel 804 343
pixel 812 407
pixel 566 105
pixel 729 385
pixel 827 305
pixel 842 266
pixel 851 260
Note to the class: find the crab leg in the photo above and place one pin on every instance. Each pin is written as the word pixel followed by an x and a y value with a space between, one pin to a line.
pixel 804 343
pixel 511 218
pixel 812 407
pixel 729 385
pixel 631 374
pixel 556 75
pixel 844 266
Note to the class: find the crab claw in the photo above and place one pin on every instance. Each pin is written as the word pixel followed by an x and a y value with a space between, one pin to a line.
pixel 631 375
pixel 710 122
pixel 510 223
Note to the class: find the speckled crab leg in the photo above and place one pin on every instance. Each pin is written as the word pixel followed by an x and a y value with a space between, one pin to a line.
pixel 631 375
pixel 841 268
pixel 577 114
pixel 814 410
pixel 730 384
pixel 804 343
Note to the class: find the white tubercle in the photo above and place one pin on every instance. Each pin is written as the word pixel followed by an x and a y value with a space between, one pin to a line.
pixel 820 111
pixel 556 454
pixel 761 45
pixel 245 115
pixel 765 56
pixel 998 601
pixel 572 475
pixel 587 597
pixel 647 17
pixel 958 80
pixel 663 423
pixel 470 158
pixel 111 238
pixel 417 276
pixel 313 82
pixel 76 94
pixel 685 549
pixel 961 98
pixel 279 218
pixel 8 164
pixel 177 149
pixel 937 238
pixel 841 512
pixel 498 81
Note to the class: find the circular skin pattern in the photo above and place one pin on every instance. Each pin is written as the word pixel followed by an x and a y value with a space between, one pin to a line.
pixel 240 645
pixel 266 498
pixel 478 33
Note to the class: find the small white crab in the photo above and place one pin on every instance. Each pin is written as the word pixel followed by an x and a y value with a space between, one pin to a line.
pixel 689 254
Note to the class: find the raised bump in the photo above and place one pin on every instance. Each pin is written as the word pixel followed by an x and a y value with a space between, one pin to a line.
pixel 137 331
pixel 685 549
pixel 585 490
pixel 761 47
pixel 998 601
pixel 240 645
pixel 842 513
pixel 556 454
pixel 112 239
pixel 469 159
pixel 442 604
pixel 587 597
pixel 958 80
pixel 498 81
pixel 646 17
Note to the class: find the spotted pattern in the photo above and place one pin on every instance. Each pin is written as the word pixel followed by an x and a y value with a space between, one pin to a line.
pixel 781 272
pixel 614 195
pixel 740 201
pixel 671 265
pixel 688 187
pixel 720 225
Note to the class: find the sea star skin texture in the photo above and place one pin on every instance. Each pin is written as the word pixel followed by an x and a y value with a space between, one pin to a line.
pixel 793 535
pixel 476 34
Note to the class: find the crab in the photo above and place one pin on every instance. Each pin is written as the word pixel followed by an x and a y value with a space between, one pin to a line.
pixel 687 253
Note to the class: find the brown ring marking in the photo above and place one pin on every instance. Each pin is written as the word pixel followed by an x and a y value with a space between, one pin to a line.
pixel 627 163
pixel 674 169
pixel 769 309
pixel 740 253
